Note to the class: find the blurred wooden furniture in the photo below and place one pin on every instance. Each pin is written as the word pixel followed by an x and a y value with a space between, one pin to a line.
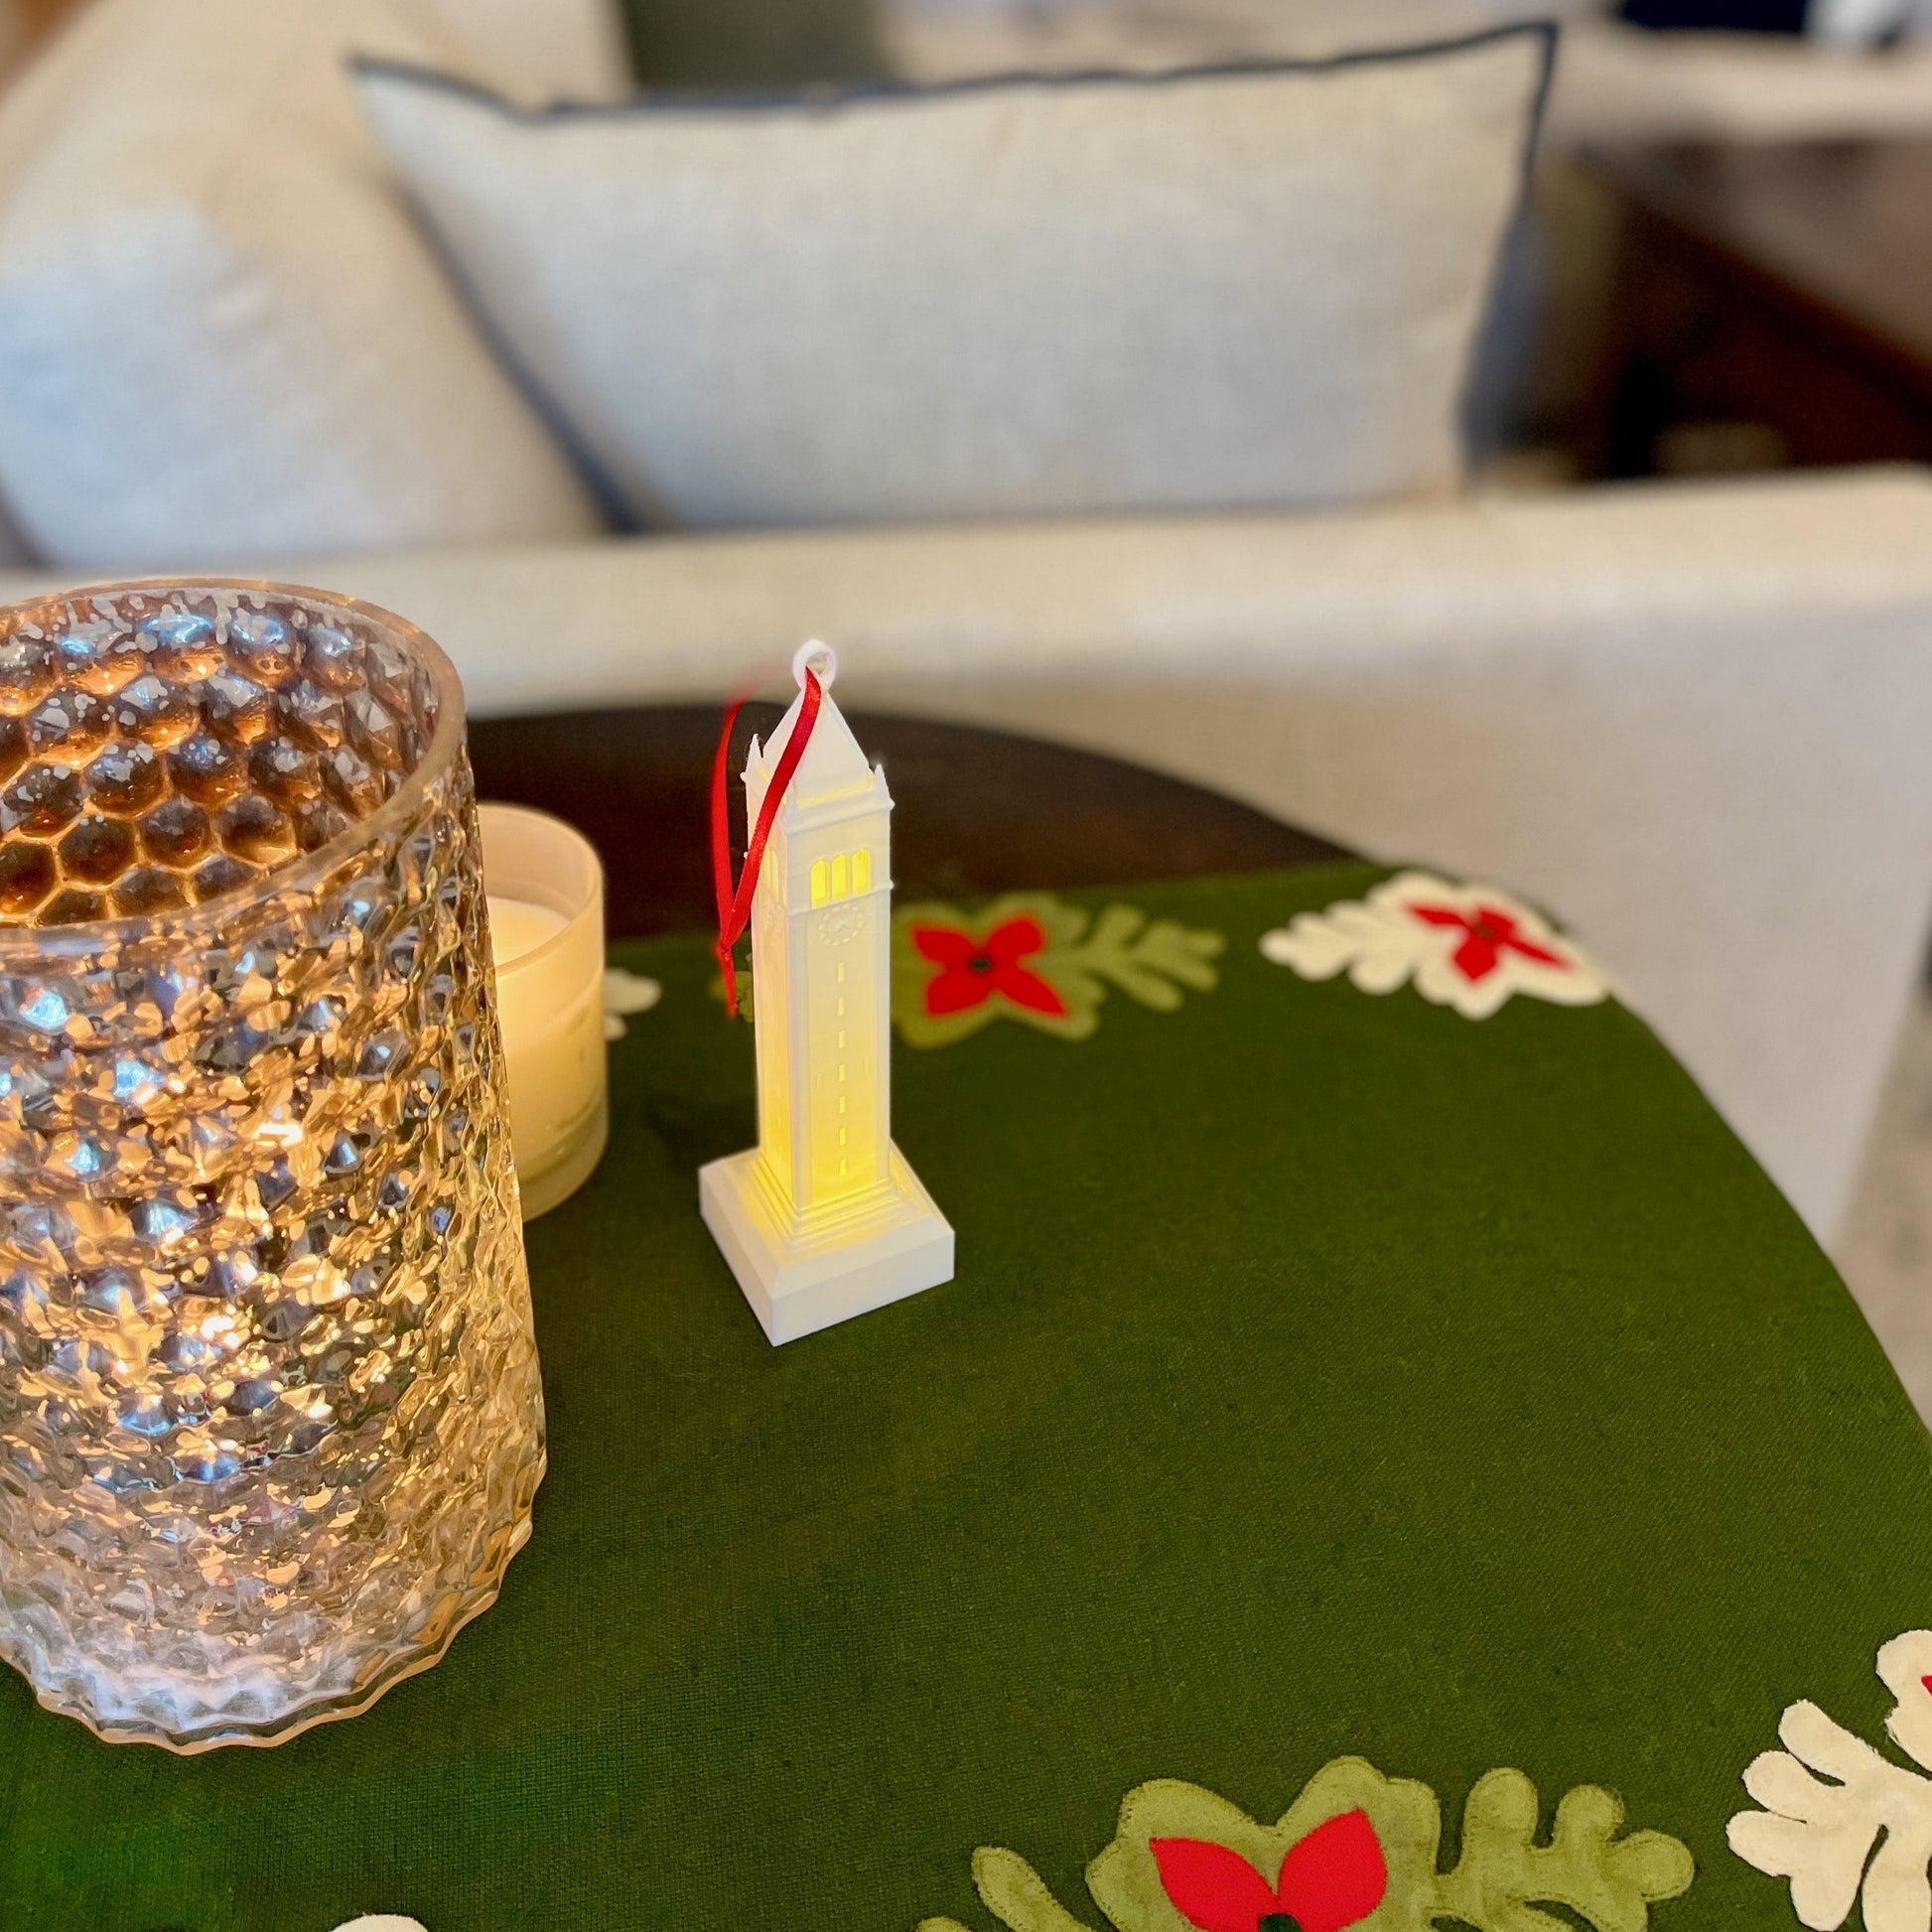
pixel 23 25
pixel 1774 305
pixel 36 17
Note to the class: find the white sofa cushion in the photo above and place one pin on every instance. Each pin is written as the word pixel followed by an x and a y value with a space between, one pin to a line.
pixel 218 328
pixel 1107 291
pixel 14 547
pixel 1614 82
pixel 935 42
pixel 534 50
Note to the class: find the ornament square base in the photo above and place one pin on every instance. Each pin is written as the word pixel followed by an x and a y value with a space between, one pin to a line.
pixel 801 1274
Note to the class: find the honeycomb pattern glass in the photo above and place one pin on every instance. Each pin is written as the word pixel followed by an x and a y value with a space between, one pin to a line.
pixel 270 1416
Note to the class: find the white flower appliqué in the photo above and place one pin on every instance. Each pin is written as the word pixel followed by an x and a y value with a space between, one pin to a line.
pixel 1469 947
pixel 1818 1831
pixel 625 993
pixel 381 1922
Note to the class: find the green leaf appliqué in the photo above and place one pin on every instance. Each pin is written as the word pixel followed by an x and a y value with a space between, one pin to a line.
pixel 1499 1884
pixel 1033 958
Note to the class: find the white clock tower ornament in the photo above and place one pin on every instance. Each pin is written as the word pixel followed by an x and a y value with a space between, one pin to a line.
pixel 823 1219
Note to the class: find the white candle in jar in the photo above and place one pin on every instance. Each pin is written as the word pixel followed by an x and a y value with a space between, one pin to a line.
pixel 546 919
pixel 518 926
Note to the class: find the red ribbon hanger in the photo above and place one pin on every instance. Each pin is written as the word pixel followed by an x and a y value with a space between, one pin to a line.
pixel 735 902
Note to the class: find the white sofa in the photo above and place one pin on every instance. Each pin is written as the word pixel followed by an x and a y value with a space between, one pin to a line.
pixel 1692 720
pixel 1613 82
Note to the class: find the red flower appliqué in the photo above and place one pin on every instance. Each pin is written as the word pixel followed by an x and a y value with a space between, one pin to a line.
pixel 972 970
pixel 1334 1877
pixel 1489 933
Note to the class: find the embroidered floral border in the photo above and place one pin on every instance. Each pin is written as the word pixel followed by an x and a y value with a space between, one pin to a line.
pixel 1829 1798
pixel 1033 958
pixel 1355 1849
pixel 1470 947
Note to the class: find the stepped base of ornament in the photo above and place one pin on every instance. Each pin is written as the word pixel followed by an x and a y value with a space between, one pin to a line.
pixel 804 1273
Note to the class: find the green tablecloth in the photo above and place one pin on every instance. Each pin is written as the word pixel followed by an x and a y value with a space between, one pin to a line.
pixel 1327 1375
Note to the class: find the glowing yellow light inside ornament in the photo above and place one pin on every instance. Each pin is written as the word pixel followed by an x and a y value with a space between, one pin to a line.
pixel 845 876
pixel 820 969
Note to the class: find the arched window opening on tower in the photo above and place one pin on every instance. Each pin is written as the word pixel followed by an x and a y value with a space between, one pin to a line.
pixel 844 876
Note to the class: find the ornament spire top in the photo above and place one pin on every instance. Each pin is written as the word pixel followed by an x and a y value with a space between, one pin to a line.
pixel 820 660
pixel 833 765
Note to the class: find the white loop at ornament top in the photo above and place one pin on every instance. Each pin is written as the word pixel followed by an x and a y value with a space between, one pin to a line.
pixel 820 660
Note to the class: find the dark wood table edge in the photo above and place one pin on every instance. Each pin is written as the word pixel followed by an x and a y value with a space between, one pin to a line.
pixel 976 812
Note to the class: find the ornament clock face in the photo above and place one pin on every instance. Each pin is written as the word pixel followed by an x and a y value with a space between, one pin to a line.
pixel 842 924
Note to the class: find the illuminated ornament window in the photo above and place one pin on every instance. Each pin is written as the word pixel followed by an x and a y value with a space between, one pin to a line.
pixel 844 876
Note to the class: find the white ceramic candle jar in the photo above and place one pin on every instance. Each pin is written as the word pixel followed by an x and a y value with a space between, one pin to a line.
pixel 546 918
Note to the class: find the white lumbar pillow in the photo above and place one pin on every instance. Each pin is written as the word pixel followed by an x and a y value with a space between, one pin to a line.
pixel 220 331
pixel 1246 287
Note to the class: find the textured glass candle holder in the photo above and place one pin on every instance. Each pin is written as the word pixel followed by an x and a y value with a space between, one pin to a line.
pixel 270 1417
